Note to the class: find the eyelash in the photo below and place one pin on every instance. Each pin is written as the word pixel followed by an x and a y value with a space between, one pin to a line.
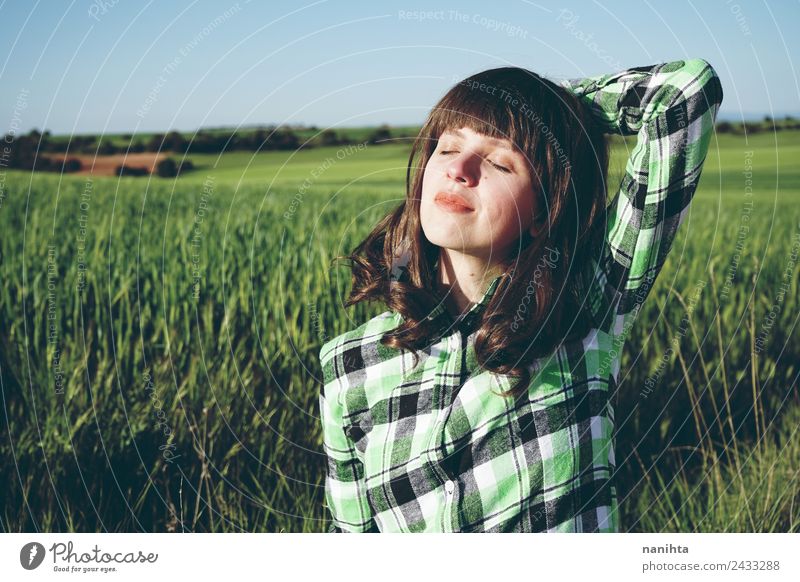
pixel 500 168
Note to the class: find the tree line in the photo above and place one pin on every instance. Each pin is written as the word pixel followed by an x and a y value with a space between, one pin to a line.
pixel 31 151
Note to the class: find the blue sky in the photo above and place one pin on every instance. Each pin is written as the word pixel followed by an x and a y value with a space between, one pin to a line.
pixel 123 66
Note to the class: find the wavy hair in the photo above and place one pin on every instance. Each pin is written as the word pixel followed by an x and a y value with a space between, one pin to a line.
pixel 567 152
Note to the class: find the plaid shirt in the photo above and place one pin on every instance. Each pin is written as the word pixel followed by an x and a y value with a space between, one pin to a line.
pixel 434 448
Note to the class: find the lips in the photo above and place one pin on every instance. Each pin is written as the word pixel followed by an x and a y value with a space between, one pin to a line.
pixel 453 202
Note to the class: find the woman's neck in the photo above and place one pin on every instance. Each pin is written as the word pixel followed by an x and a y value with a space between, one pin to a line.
pixel 462 279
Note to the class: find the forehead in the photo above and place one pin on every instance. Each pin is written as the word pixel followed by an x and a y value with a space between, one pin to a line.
pixel 467 133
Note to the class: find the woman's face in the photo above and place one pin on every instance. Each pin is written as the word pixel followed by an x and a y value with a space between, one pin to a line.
pixel 477 195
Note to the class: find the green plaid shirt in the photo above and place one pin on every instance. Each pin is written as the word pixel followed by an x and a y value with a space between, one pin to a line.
pixel 433 448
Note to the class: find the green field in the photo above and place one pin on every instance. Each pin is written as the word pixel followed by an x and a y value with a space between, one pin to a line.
pixel 160 339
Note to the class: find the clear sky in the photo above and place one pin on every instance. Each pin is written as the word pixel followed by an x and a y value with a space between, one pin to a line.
pixel 116 66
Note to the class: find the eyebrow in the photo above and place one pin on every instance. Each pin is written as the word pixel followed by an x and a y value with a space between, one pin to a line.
pixel 497 142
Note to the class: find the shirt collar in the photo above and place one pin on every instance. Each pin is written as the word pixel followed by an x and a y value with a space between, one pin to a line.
pixel 467 322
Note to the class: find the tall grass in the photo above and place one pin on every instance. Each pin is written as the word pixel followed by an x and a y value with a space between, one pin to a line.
pixel 187 335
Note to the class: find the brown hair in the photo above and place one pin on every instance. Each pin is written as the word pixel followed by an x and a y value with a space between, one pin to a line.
pixel 568 153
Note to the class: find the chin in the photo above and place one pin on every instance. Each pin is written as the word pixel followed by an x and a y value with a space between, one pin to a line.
pixel 435 237
pixel 441 234
pixel 453 243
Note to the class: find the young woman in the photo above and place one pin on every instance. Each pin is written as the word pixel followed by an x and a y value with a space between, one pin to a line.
pixel 480 401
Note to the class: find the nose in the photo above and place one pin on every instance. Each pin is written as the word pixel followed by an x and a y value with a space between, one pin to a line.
pixel 462 168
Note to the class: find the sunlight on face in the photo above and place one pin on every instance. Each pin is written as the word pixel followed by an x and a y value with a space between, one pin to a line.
pixel 477 194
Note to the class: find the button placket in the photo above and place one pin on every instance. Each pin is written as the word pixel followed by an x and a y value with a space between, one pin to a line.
pixel 449 504
pixel 440 393
pixel 443 381
pixel 456 345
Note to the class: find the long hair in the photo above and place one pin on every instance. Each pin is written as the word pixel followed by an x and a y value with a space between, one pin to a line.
pixel 538 303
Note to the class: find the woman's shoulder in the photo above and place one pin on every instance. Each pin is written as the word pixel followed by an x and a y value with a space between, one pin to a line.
pixel 349 346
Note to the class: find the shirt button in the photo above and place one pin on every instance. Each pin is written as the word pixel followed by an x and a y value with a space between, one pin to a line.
pixel 449 487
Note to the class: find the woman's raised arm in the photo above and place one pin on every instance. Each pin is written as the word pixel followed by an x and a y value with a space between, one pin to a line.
pixel 672 108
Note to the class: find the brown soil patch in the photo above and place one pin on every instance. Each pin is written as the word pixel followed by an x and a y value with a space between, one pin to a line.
pixel 107 165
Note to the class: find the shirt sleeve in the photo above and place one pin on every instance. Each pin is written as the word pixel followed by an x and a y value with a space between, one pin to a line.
pixel 671 107
pixel 345 487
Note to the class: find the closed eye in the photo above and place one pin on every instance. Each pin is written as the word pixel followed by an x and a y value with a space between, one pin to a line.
pixel 499 167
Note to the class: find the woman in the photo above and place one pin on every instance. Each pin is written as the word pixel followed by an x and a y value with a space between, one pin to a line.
pixel 480 401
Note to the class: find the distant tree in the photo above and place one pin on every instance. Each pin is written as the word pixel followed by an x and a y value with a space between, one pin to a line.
pixel 44 164
pixel 175 142
pixel 156 142
pixel 83 144
pixel 329 138
pixel 72 165
pixel 137 147
pixel 23 152
pixel 724 127
pixel 282 139
pixel 380 135
pixel 258 139
pixel 752 127
pixel 185 166
pixel 130 171
pixel 167 168
pixel 106 148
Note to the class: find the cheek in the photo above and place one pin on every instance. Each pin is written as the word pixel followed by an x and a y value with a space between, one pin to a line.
pixel 429 176
pixel 510 206
pixel 510 213
pixel 426 178
pixel 523 199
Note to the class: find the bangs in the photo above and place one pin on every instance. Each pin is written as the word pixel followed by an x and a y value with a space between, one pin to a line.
pixel 495 105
